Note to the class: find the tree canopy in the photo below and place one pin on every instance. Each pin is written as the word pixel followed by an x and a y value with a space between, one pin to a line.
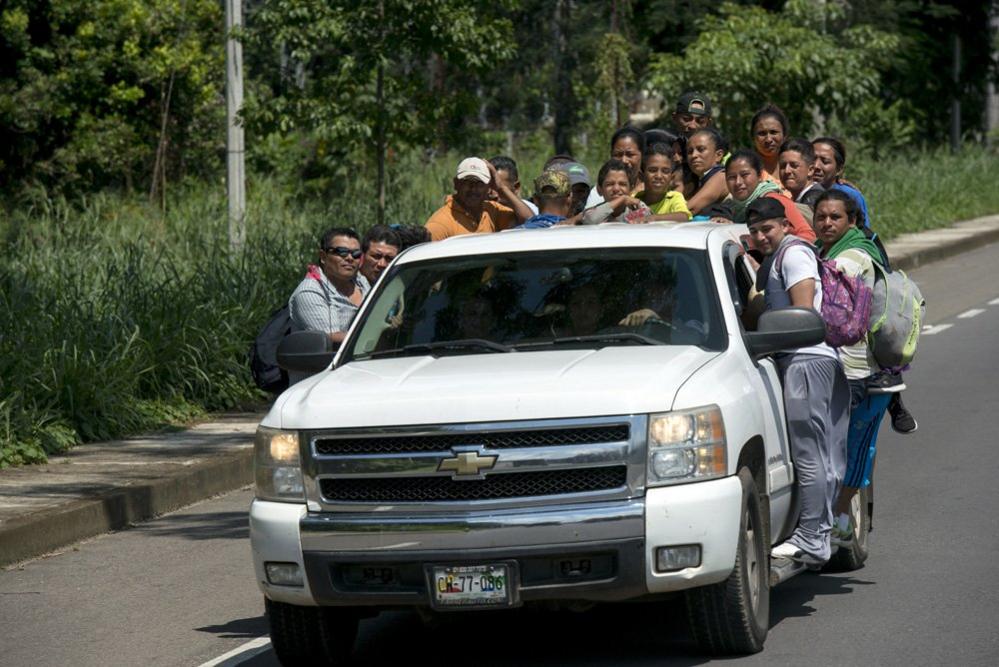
pixel 130 94
pixel 107 91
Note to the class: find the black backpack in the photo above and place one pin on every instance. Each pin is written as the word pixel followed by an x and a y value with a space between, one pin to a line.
pixel 263 352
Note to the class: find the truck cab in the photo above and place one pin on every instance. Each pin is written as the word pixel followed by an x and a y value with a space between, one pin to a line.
pixel 563 416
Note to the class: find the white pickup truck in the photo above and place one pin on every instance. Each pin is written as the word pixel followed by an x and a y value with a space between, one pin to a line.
pixel 573 415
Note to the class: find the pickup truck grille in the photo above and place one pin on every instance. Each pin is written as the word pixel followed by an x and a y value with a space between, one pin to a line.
pixel 497 486
pixel 438 467
pixel 442 442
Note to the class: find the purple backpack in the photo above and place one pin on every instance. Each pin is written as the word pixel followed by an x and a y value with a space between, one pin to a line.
pixel 846 301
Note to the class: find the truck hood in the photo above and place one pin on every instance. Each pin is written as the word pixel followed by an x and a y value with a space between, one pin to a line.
pixel 490 387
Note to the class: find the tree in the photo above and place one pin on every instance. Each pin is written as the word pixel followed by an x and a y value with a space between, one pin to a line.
pixel 744 57
pixel 374 72
pixel 108 92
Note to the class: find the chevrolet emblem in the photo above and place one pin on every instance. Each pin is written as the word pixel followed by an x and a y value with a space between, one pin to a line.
pixel 467 463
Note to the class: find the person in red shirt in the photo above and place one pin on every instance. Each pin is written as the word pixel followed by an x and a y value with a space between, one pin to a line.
pixel 744 177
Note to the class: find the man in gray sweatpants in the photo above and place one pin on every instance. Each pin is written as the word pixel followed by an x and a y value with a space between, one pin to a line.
pixel 817 403
pixel 816 393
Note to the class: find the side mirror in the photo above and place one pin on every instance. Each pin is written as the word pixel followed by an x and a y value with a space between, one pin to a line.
pixel 305 351
pixel 784 329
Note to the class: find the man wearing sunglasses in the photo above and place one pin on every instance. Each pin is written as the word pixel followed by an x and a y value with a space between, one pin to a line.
pixel 329 296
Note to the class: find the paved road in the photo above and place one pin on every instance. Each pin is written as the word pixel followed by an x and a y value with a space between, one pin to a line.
pixel 180 590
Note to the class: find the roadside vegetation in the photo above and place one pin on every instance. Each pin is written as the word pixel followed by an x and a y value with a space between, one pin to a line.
pixel 119 317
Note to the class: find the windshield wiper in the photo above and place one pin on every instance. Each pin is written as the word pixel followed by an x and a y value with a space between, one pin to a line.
pixel 623 336
pixel 462 344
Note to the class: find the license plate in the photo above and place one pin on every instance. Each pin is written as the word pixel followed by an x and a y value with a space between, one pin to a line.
pixel 471 585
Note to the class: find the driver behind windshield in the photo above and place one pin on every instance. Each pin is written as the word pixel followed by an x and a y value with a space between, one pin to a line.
pixel 477 318
pixel 659 309
pixel 658 300
pixel 583 311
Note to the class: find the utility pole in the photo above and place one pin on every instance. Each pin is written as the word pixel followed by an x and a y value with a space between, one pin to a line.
pixel 380 121
pixel 235 171
pixel 955 105
pixel 565 113
pixel 991 95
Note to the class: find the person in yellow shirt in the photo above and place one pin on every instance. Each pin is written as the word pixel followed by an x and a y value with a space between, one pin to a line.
pixel 659 169
pixel 469 211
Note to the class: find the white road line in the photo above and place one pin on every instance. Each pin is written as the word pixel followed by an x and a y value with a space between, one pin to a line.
pixel 244 652
pixel 994 302
pixel 936 329
pixel 970 313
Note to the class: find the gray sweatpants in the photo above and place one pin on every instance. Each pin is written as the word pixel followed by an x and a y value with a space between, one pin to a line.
pixel 817 402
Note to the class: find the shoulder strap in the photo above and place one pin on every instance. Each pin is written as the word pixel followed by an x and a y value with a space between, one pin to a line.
pixel 779 259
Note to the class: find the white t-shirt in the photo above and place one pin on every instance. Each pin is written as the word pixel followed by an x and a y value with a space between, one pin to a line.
pixel 594 198
pixel 799 264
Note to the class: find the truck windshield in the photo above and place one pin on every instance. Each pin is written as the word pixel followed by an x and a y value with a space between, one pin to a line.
pixel 520 302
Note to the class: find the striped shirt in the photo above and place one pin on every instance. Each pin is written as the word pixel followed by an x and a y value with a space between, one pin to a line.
pixel 316 305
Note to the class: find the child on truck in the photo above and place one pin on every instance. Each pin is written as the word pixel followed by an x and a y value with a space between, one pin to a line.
pixel 659 169
pixel 615 182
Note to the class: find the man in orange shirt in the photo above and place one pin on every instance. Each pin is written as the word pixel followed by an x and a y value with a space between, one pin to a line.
pixel 468 210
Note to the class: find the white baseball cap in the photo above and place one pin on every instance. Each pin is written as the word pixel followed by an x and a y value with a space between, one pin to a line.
pixel 473 167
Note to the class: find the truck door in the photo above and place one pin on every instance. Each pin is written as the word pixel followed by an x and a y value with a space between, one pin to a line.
pixel 768 393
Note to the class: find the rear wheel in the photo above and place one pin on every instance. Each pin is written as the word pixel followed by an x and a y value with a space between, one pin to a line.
pixel 733 616
pixel 852 556
pixel 314 634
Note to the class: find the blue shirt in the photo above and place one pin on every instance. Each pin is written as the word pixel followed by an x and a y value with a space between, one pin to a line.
pixel 858 198
pixel 541 221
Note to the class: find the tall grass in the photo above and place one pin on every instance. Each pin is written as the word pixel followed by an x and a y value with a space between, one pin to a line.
pixel 118 318
pixel 928 189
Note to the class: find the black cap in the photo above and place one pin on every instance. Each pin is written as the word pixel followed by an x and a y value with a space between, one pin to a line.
pixel 718 210
pixel 694 103
pixel 764 208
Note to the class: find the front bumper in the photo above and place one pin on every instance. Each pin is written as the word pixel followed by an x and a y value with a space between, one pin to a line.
pixel 595 551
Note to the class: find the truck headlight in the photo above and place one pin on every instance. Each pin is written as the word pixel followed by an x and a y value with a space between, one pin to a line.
pixel 686 445
pixel 277 465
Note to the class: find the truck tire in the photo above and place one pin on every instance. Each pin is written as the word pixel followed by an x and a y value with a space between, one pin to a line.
pixel 313 634
pixel 852 556
pixel 733 616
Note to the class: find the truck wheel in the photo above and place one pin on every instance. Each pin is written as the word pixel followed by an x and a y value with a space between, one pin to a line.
pixel 851 557
pixel 733 616
pixel 315 634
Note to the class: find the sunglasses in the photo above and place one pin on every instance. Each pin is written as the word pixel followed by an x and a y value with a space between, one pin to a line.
pixel 343 252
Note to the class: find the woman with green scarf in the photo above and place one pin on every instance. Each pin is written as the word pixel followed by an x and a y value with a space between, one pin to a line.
pixel 841 240
pixel 743 175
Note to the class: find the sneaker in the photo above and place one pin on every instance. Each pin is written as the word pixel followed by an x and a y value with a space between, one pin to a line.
pixel 885 383
pixel 794 552
pixel 902 420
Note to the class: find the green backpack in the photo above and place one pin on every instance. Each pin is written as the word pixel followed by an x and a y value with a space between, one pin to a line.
pixel 897 313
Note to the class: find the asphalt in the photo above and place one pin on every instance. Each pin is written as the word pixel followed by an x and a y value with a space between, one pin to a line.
pixel 102 487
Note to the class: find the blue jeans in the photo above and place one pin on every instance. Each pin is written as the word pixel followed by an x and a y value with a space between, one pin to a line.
pixel 866 411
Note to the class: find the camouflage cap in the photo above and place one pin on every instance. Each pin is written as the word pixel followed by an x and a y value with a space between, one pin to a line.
pixel 552 183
